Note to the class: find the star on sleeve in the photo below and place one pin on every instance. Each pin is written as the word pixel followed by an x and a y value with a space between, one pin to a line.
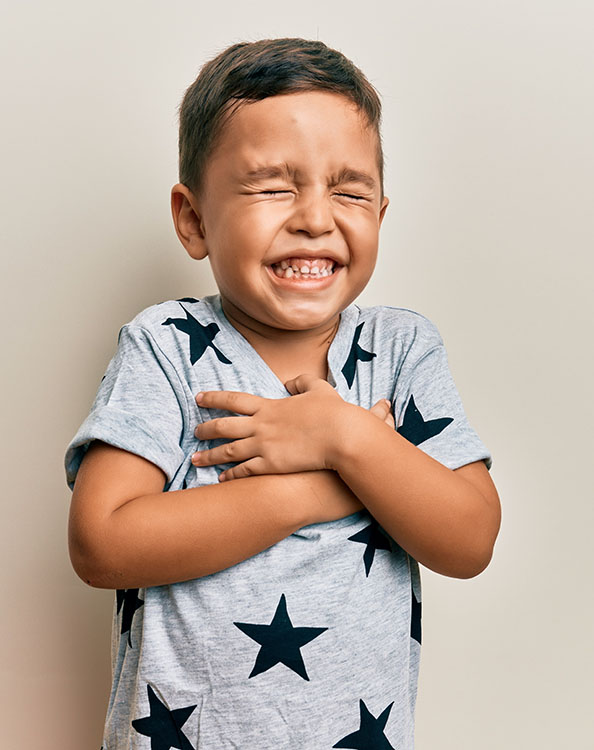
pixel 415 429
pixel 200 336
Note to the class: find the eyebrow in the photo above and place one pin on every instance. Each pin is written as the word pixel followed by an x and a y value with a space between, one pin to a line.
pixel 347 175
pixel 270 172
pixel 354 175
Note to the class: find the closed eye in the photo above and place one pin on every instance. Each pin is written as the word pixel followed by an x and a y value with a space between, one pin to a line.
pixel 286 192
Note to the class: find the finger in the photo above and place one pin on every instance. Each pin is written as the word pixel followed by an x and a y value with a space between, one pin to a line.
pixel 228 453
pixel 381 408
pixel 389 420
pixel 251 468
pixel 304 382
pixel 241 403
pixel 225 427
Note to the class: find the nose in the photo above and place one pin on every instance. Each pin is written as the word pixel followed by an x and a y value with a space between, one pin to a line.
pixel 312 214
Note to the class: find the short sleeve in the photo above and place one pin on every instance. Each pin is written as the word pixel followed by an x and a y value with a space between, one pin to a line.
pixel 139 406
pixel 429 411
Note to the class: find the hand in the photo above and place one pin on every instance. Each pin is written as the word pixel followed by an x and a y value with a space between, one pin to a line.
pixel 278 436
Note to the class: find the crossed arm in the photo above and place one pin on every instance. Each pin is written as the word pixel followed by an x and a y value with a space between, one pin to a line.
pixel 305 459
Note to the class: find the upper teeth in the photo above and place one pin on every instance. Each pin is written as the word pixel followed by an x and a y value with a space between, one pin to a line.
pixel 297 267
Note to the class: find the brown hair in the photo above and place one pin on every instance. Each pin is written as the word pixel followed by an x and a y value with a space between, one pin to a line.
pixel 251 71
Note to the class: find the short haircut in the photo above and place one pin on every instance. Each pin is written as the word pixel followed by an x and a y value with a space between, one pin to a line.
pixel 251 71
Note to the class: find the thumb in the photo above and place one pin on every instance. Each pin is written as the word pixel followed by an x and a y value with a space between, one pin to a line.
pixel 381 408
pixel 303 383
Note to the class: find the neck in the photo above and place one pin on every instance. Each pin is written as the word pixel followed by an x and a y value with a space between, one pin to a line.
pixel 312 343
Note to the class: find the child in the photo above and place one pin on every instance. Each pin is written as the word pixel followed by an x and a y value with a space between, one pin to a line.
pixel 243 487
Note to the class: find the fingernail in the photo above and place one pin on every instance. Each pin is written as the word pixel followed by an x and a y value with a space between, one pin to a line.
pixel 222 477
pixel 195 457
pixel 199 396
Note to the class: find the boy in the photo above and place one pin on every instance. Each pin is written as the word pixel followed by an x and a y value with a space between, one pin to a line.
pixel 243 487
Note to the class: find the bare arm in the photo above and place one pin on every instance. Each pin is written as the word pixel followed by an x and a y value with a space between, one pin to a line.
pixel 125 532
pixel 447 520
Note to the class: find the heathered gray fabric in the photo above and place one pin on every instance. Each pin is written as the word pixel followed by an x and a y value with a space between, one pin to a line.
pixel 358 674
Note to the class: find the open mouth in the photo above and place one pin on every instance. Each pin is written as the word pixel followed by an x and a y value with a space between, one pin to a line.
pixel 304 268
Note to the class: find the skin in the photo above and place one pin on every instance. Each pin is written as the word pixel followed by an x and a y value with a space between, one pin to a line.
pixel 300 459
pixel 243 223
pixel 124 534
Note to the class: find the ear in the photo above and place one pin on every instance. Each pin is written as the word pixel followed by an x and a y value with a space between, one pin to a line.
pixel 187 221
pixel 384 205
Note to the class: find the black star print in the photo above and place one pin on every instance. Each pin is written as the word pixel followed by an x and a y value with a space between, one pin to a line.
pixel 357 354
pixel 280 641
pixel 370 735
pixel 164 726
pixel 374 537
pixel 128 598
pixel 415 618
pixel 415 429
pixel 201 337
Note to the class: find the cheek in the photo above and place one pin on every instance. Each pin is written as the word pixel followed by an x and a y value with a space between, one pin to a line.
pixel 363 234
pixel 248 234
pixel 358 218
pixel 364 250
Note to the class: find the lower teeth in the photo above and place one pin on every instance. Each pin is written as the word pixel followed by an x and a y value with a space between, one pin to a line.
pixel 289 273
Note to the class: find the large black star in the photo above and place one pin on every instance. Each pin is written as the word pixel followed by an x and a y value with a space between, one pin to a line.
pixel 374 538
pixel 415 429
pixel 357 354
pixel 415 618
pixel 279 641
pixel 201 337
pixel 129 599
pixel 164 726
pixel 370 735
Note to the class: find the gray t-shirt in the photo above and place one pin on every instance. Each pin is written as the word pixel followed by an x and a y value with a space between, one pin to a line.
pixel 314 642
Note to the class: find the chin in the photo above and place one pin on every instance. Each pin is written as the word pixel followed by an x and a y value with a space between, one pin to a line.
pixel 306 320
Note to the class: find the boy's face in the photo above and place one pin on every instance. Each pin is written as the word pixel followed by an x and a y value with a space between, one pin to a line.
pixel 294 179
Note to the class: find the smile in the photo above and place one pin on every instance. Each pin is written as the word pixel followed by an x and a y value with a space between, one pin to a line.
pixel 303 268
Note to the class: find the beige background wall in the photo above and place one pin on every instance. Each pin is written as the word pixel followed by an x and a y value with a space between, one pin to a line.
pixel 488 126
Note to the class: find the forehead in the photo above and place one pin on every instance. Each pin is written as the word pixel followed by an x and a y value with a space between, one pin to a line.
pixel 313 129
